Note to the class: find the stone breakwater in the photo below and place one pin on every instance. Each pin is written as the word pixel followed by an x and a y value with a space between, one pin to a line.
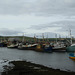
pixel 27 68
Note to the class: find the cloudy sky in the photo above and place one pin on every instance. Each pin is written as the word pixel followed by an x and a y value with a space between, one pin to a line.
pixel 36 17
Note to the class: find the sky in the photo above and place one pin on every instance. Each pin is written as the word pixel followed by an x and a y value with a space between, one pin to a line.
pixel 35 17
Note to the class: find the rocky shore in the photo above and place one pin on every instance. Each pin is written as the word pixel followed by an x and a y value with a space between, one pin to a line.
pixel 27 68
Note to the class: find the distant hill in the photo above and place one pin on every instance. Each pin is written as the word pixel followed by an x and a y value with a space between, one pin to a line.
pixel 32 38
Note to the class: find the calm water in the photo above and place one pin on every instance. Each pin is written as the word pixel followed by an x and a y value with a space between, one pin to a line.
pixel 56 60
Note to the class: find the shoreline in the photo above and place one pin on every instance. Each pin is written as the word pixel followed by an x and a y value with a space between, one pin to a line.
pixel 28 68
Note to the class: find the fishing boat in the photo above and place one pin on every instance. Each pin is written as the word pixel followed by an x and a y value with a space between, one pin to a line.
pixel 39 48
pixel 71 48
pixel 59 46
pixel 1 44
pixel 44 48
pixel 47 48
pixel 72 55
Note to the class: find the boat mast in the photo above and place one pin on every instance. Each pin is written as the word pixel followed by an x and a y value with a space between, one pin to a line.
pixel 34 38
pixel 56 37
pixel 71 37
pixel 47 38
pixel 43 36
pixel 23 38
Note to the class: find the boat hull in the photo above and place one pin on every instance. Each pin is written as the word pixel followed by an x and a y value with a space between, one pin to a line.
pixel 27 47
pixel 72 58
pixel 61 49
pixel 48 49
pixel 42 48
pixel 12 47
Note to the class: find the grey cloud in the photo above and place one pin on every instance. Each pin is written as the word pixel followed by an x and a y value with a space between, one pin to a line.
pixel 38 7
pixel 46 35
pixel 49 35
pixel 45 26
pixel 38 27
pixel 57 7
pixel 9 32
pixel 64 26
pixel 14 7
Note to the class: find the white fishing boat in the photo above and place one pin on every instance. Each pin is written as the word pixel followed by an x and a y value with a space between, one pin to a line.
pixel 59 46
pixel 27 46
pixel 12 46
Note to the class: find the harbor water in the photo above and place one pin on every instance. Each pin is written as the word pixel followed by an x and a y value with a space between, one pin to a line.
pixel 56 60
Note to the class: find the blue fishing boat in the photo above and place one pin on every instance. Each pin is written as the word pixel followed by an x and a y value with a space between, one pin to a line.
pixel 44 48
pixel 48 48
pixel 1 44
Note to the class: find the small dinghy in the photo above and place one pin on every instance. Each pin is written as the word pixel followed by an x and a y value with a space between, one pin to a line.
pixel 72 55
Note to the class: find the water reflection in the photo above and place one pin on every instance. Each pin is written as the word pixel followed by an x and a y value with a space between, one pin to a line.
pixel 57 60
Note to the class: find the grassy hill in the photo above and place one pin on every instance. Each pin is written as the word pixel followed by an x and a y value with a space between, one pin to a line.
pixel 33 39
